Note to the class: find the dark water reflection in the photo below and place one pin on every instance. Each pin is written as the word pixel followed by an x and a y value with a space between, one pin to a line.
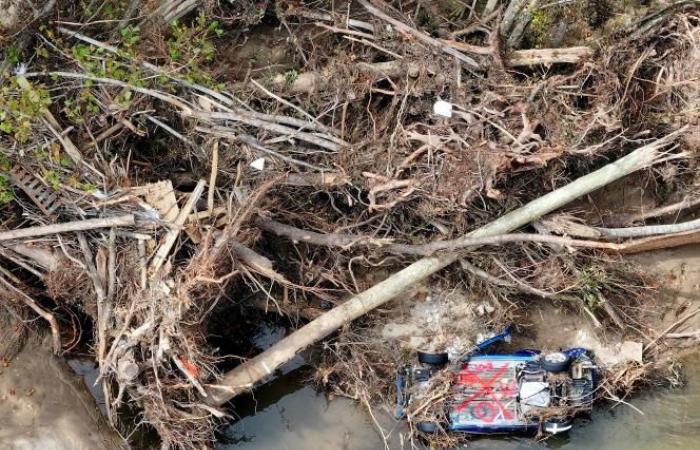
pixel 291 415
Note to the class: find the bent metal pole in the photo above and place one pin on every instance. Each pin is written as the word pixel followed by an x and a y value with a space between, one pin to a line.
pixel 263 365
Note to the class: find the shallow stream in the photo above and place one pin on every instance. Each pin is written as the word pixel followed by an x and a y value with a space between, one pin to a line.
pixel 287 414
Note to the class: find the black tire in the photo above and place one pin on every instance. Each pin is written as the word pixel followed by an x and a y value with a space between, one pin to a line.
pixel 557 426
pixel 556 362
pixel 427 427
pixel 434 359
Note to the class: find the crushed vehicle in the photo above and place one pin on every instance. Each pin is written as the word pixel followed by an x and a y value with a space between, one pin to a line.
pixel 523 391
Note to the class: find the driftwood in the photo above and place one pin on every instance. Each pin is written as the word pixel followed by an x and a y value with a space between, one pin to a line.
pixel 547 56
pixel 258 368
pixel 649 230
pixel 78 225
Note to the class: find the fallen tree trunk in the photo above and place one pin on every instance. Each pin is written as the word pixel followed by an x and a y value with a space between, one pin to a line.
pixel 263 365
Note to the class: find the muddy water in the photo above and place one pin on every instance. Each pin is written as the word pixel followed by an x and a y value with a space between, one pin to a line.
pixel 287 414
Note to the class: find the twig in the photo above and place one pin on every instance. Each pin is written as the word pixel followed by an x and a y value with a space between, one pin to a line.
pixel 325 239
pixel 373 45
pixel 169 129
pixel 79 225
pixel 469 62
pixel 101 295
pixel 248 119
pixel 659 242
pixel 674 325
pixel 319 126
pixel 143 263
pixel 471 268
pixel 315 15
pixel 174 231
pixel 524 286
pixel 257 262
pixel 344 31
pixel 43 257
pixel 111 266
pixel 252 142
pixel 184 108
pixel 619 400
pixel 53 125
pixel 587 310
pixel 53 323
pixel 212 176
pixel 687 202
pixel 686 334
pixel 347 240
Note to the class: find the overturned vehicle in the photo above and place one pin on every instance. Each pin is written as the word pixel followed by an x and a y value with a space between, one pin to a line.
pixel 522 392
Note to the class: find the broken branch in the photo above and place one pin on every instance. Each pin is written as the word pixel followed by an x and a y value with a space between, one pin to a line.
pixel 78 225
pixel 469 62
pixel 177 225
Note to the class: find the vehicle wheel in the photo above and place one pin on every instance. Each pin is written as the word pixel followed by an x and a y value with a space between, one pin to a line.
pixel 555 362
pixel 427 427
pixel 556 426
pixel 434 359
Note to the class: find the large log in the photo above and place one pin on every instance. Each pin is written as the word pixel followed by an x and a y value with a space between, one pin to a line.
pixel 263 365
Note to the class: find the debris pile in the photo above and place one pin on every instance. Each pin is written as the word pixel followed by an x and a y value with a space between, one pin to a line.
pixel 169 171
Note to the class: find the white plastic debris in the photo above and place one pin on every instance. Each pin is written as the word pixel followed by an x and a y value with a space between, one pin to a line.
pixel 535 393
pixel 442 108
pixel 258 164
pixel 21 69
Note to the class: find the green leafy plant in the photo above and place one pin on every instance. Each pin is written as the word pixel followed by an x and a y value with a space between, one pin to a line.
pixel 6 193
pixel 192 47
pixel 291 76
pixel 53 179
pixel 14 56
pixel 592 280
pixel 539 28
pixel 131 35
pixel 19 107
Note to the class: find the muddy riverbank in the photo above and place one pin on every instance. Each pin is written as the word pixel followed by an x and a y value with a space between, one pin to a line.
pixel 45 405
